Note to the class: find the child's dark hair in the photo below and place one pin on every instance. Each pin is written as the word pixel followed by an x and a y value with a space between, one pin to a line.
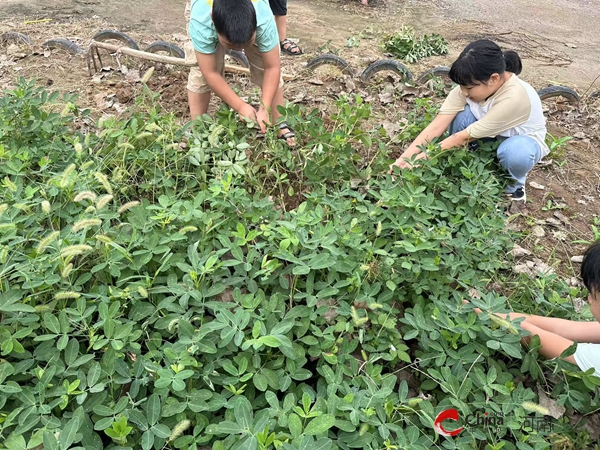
pixel 235 20
pixel 590 269
pixel 480 60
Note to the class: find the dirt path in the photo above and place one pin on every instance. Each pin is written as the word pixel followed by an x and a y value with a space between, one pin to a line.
pixel 558 40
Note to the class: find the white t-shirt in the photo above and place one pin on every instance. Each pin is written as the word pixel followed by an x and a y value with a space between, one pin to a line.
pixel 588 356
pixel 514 110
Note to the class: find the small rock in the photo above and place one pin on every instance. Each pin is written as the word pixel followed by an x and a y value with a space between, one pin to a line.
pixel 577 259
pixel 519 251
pixel 560 235
pixel 544 268
pixel 580 135
pixel 578 304
pixel 12 49
pixel 538 231
pixel 522 268
pixel 316 81
pixel 568 44
pixel 537 186
pixel 573 282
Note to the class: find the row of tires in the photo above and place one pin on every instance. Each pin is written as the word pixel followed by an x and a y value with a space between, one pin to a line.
pixel 112 35
pixel 387 65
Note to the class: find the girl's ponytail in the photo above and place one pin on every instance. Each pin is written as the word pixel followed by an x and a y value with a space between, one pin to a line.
pixel 480 60
pixel 513 62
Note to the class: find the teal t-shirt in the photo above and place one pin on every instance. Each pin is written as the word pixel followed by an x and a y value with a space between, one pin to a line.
pixel 204 35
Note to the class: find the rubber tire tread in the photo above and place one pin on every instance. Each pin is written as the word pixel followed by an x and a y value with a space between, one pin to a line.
pixel 163 46
pixel 559 91
pixel 239 57
pixel 594 95
pixel 386 64
pixel 439 71
pixel 14 38
pixel 331 60
pixel 64 44
pixel 106 35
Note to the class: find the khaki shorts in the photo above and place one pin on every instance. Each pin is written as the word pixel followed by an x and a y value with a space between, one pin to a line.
pixel 196 82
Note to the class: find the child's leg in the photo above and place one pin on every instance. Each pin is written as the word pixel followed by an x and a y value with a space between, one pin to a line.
pixel 199 93
pixel 517 156
pixel 462 120
pixel 198 103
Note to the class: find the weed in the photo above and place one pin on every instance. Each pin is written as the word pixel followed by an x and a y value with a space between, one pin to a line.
pixel 558 147
pixel 405 45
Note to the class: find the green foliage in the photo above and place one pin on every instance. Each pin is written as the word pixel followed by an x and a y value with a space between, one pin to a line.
pixel 153 296
pixel 404 44
pixel 558 147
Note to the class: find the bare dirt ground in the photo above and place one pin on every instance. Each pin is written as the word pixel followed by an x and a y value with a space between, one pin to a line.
pixel 557 42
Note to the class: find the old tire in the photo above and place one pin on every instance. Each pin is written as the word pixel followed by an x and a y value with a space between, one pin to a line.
pixel 594 95
pixel 440 71
pixel 559 91
pixel 238 57
pixel 64 44
pixel 385 65
pixel 165 47
pixel 331 60
pixel 113 35
pixel 12 37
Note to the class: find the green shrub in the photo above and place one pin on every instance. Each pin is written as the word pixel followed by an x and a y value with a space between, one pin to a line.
pixel 405 45
pixel 153 297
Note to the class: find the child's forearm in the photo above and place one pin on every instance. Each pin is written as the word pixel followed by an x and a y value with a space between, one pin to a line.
pixel 219 86
pixel 552 344
pixel 569 329
pixel 456 140
pixel 434 130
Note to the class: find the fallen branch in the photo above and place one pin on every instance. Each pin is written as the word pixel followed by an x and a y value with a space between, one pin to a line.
pixel 163 58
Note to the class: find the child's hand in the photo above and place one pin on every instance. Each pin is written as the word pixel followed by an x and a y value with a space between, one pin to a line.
pixel 404 162
pixel 262 116
pixel 247 112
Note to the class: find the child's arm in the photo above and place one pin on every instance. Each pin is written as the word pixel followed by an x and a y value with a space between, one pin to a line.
pixel 272 76
pixel 208 67
pixel 435 129
pixel 552 345
pixel 569 329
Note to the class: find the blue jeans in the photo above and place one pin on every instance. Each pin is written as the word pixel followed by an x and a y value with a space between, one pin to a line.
pixel 517 154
